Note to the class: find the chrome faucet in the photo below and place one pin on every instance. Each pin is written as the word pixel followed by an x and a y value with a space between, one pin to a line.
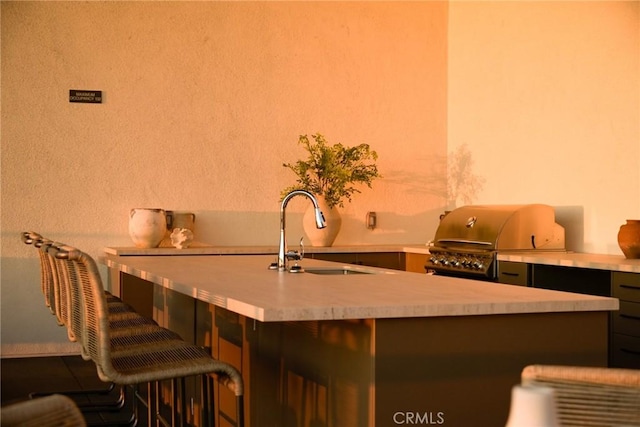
pixel 283 254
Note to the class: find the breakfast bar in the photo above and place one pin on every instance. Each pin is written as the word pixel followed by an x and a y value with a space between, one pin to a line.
pixel 348 345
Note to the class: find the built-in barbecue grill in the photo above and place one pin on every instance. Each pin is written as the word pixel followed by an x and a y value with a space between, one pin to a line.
pixel 469 238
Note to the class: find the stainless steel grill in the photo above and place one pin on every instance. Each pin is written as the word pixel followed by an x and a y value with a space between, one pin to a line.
pixel 469 238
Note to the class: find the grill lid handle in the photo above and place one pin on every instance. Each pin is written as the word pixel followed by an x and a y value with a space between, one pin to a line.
pixel 470 242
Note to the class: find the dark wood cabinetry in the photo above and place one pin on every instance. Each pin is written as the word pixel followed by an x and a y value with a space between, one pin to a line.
pixel 570 279
pixel 393 260
pixel 514 273
pixel 558 278
pixel 624 331
pixel 625 325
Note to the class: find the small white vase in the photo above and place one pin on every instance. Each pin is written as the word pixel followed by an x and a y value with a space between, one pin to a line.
pixel 147 227
pixel 324 236
pixel 532 406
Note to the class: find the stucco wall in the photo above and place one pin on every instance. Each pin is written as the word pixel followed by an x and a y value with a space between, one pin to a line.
pixel 203 102
pixel 546 95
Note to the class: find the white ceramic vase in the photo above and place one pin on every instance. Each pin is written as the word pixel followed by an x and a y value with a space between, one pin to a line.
pixel 324 236
pixel 147 227
pixel 532 406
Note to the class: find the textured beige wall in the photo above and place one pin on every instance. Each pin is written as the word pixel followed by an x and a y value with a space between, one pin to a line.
pixel 203 102
pixel 551 111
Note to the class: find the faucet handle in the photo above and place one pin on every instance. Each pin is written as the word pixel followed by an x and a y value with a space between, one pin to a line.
pixel 301 247
pixel 296 255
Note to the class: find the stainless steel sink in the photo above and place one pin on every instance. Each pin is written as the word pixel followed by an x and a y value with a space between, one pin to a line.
pixel 343 271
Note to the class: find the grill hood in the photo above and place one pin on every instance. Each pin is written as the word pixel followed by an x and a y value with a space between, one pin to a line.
pixel 500 228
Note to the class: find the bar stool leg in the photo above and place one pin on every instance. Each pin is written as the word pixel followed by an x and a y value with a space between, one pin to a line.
pixel 183 401
pixel 174 402
pixel 207 400
pixel 240 410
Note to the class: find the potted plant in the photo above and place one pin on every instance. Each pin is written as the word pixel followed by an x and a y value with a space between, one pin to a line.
pixel 331 172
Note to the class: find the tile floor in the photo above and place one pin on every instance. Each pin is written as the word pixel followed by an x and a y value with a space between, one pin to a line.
pixel 20 377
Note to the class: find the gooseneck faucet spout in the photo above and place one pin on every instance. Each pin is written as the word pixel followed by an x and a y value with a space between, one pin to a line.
pixel 320 223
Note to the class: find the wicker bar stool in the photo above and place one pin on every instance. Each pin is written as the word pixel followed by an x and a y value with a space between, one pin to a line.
pixel 129 329
pixel 56 287
pixel 56 295
pixel 590 396
pixel 122 317
pixel 51 288
pixel 46 275
pixel 140 360
pixel 51 411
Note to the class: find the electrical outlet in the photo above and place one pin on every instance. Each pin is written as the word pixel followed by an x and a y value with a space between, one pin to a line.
pixel 372 220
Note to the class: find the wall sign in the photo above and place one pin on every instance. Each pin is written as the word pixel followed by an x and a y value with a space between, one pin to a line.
pixel 86 96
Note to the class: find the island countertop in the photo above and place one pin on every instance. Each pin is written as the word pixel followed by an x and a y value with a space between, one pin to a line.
pixel 244 284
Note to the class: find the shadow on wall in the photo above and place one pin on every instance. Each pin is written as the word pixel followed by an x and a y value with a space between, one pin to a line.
pixel 572 219
pixel 428 183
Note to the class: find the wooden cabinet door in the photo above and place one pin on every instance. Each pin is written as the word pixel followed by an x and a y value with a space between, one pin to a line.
pixel 571 279
pixel 514 273
pixel 625 337
pixel 391 260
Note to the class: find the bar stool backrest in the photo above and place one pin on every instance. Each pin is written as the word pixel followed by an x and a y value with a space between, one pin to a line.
pixel 90 314
pixel 64 297
pixel 46 278
pixel 52 275
pixel 46 275
pixel 73 304
pixel 51 411
pixel 593 396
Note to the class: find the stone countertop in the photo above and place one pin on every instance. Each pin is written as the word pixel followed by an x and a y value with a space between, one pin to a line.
pixel 245 285
pixel 198 248
pixel 566 259
pixel 573 259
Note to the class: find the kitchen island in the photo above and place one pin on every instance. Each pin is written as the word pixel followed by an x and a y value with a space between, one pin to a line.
pixel 379 348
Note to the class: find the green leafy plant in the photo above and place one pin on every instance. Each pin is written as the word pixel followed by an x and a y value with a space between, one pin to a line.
pixel 332 171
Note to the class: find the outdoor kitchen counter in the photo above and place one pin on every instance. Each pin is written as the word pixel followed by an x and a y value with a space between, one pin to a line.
pixel 560 258
pixel 244 285
pixel 198 248
pixel 372 350
pixel 574 259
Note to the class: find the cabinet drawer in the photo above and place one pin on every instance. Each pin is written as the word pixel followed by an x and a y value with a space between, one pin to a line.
pixel 415 262
pixel 570 279
pixel 626 286
pixel 343 258
pixel 627 319
pixel 625 351
pixel 513 273
pixel 392 260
